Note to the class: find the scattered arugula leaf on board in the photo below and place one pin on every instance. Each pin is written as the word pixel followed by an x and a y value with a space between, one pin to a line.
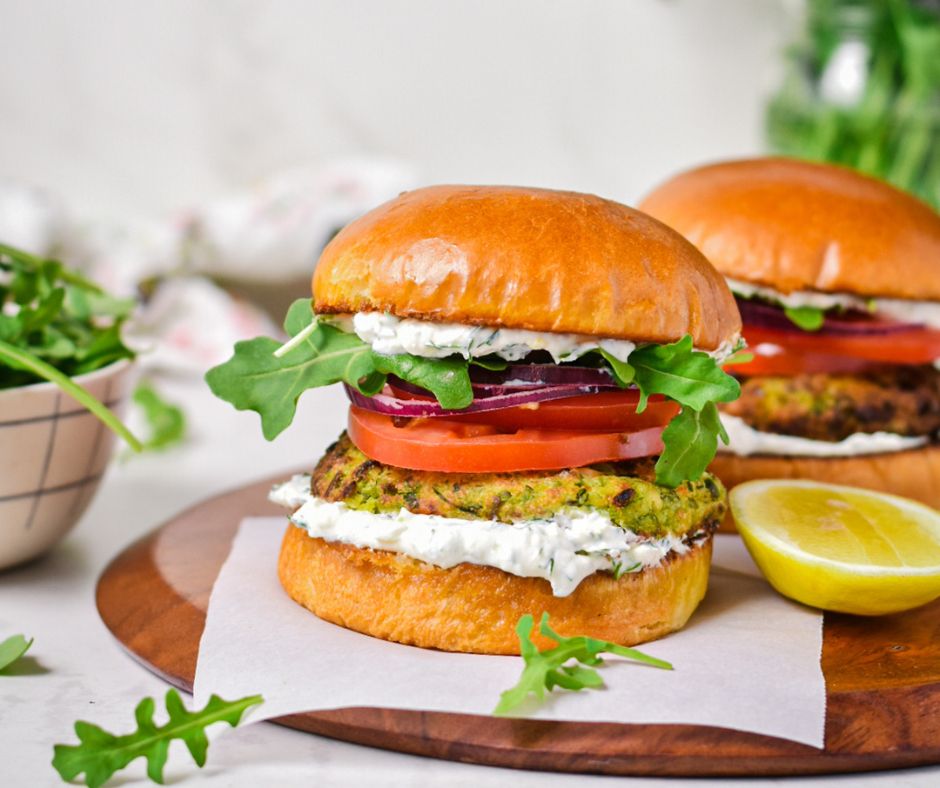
pixel 12 649
pixel 100 754
pixel 55 325
pixel 809 318
pixel 545 670
pixel 166 422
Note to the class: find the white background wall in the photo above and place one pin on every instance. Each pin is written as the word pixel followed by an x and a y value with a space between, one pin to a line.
pixel 129 107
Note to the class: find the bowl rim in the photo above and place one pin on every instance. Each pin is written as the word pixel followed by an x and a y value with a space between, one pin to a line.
pixel 114 368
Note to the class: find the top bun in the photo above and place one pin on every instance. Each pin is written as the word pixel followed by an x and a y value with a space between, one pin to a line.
pixel 526 258
pixel 794 225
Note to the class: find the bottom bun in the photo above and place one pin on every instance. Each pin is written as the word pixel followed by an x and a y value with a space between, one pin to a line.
pixel 914 473
pixel 474 608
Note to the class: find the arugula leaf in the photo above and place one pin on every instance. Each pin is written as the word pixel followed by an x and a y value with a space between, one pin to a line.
pixel 491 362
pixel 100 754
pixel 696 381
pixel 166 421
pixel 105 347
pixel 690 442
pixel 738 357
pixel 257 379
pixel 45 312
pixel 687 376
pixel 86 303
pixel 623 372
pixel 12 649
pixel 446 378
pixel 809 318
pixel 545 670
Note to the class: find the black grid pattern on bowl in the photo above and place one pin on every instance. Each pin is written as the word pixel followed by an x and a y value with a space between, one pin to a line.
pixel 89 477
pixel 69 414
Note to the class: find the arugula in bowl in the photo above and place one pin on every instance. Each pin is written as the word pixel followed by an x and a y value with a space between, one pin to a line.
pixel 56 325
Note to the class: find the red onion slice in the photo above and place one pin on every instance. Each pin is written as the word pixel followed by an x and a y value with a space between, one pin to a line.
pixel 391 405
pixel 529 375
pixel 756 313
pixel 861 324
pixel 523 377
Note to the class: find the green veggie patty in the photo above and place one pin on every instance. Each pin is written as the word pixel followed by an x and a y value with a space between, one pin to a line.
pixel 625 491
pixel 902 399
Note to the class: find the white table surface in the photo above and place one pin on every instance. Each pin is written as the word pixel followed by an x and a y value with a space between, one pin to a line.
pixel 80 672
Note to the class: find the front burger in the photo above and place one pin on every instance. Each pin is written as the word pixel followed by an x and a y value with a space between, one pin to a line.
pixel 533 379
pixel 837 277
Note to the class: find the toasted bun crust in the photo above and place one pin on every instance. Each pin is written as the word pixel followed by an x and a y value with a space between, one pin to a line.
pixel 794 225
pixel 914 473
pixel 526 258
pixel 475 609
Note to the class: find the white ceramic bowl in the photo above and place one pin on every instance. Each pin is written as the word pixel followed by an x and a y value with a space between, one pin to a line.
pixel 53 453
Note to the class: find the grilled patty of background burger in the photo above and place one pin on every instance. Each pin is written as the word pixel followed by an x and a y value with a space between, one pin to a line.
pixel 625 491
pixel 904 400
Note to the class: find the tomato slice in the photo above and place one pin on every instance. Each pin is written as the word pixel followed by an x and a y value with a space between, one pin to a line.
pixel 771 359
pixel 604 411
pixel 613 411
pixel 453 446
pixel 795 352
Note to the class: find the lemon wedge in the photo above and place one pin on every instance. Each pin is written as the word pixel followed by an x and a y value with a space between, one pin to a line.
pixel 840 548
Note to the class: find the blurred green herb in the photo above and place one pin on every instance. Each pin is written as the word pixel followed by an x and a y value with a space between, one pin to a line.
pixel 12 649
pixel 739 355
pixel 545 670
pixel 100 754
pixel 883 115
pixel 55 325
pixel 166 422
pixel 809 318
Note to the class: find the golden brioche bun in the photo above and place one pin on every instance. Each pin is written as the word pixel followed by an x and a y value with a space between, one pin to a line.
pixel 529 259
pixel 795 225
pixel 914 473
pixel 474 608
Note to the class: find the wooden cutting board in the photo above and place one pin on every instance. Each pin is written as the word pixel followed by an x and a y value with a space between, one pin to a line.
pixel 882 679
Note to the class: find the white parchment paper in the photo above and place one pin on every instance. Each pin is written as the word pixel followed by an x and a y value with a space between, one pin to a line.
pixel 748 659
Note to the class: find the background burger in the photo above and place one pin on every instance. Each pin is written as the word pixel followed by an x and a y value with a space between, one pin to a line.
pixel 837 277
pixel 533 377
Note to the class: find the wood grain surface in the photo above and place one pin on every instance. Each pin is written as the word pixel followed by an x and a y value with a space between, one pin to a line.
pixel 882 679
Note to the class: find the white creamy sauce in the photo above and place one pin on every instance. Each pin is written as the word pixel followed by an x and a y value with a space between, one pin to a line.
pixel 564 550
pixel 924 312
pixel 390 335
pixel 745 441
